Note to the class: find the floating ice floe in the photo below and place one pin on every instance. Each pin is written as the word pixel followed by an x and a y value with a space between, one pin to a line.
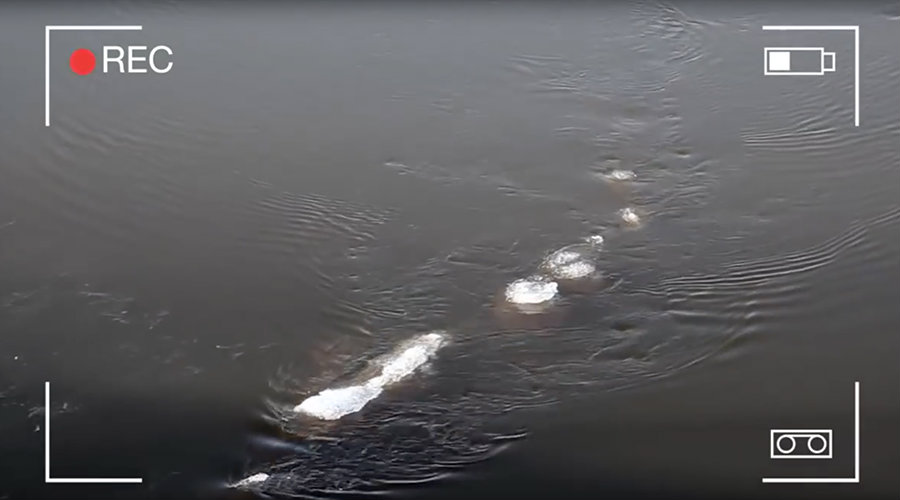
pixel 533 290
pixel 332 404
pixel 247 481
pixel 569 264
pixel 573 262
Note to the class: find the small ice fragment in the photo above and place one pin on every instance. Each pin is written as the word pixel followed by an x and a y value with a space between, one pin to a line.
pixel 629 216
pixel 532 290
pixel 570 264
pixel 621 175
pixel 594 239
pixel 563 257
pixel 575 270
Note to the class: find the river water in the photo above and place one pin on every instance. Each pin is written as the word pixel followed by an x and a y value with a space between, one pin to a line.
pixel 186 256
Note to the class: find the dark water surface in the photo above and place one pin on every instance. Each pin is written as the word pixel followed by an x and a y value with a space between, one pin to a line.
pixel 186 256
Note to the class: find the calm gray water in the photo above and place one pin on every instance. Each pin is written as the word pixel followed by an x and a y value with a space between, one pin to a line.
pixel 186 256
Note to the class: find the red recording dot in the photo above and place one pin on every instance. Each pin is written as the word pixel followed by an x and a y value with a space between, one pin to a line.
pixel 82 61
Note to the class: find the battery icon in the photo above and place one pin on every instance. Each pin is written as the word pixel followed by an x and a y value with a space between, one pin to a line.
pixel 798 61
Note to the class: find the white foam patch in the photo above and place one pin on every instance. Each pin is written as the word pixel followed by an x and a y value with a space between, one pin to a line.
pixel 247 481
pixel 332 404
pixel 531 291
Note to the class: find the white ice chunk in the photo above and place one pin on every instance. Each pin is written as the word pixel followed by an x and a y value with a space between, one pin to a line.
pixel 575 270
pixel 332 404
pixel 411 358
pixel 255 478
pixel 621 175
pixel 563 257
pixel 532 290
pixel 629 216
pixel 572 262
pixel 594 239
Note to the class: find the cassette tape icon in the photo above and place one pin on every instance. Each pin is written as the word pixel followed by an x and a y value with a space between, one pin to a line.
pixel 800 443
pixel 798 61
